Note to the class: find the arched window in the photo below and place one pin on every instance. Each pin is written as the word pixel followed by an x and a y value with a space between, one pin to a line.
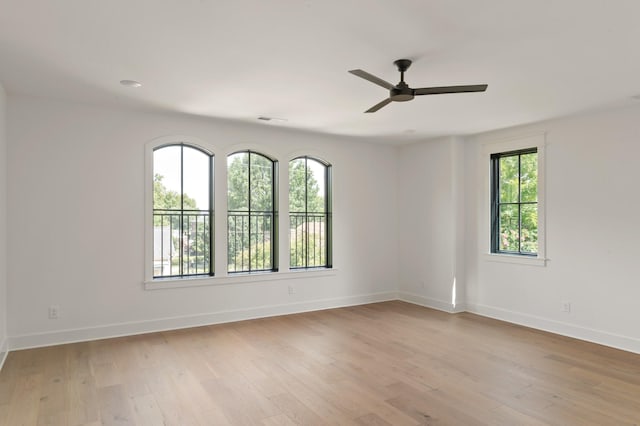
pixel 182 211
pixel 251 216
pixel 309 213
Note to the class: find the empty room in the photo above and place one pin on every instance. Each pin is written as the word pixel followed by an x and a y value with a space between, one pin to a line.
pixel 303 212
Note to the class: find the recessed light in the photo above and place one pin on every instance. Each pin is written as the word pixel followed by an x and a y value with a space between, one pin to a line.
pixel 130 83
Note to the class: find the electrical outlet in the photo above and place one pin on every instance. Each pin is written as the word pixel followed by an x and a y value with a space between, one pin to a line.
pixel 566 307
pixel 291 289
pixel 54 311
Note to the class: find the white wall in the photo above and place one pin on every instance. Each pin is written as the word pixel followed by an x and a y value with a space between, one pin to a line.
pixel 430 223
pixel 406 220
pixel 592 237
pixel 3 225
pixel 77 224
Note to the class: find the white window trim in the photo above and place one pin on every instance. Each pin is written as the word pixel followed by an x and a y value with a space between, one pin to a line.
pixel 239 278
pixel 537 141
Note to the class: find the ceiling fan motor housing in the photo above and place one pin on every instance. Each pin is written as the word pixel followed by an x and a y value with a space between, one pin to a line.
pixel 401 93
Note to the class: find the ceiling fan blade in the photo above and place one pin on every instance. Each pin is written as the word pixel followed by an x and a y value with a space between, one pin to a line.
pixel 379 105
pixel 372 78
pixel 450 89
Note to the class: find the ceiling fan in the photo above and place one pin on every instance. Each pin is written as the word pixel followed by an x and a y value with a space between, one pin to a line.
pixel 401 92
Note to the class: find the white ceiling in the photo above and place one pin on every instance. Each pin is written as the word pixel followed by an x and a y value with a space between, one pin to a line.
pixel 240 59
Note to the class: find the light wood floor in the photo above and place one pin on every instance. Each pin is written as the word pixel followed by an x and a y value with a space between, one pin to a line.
pixel 388 363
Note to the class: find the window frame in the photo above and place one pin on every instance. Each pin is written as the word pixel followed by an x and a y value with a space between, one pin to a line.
pixel 274 212
pixel 490 146
pixel 328 215
pixel 496 203
pixel 150 147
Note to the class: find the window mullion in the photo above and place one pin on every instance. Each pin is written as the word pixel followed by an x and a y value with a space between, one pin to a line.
pixel 273 228
pixel 327 212
pixel 249 207
pixel 305 236
pixel 495 203
pixel 181 239
pixel 519 203
pixel 211 219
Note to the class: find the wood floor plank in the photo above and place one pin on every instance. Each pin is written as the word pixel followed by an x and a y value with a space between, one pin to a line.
pixel 390 363
pixel 83 400
pixel 114 406
pixel 298 412
pixel 279 420
pixel 240 401
pixel 53 401
pixel 24 403
pixel 175 407
pixel 146 410
pixel 314 395
pixel 372 419
pixel 4 411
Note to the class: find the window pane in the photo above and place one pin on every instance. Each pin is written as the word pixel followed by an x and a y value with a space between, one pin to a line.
pixel 529 177
pixel 315 186
pixel 238 182
pixel 166 223
pixel 297 216
pixel 297 240
pixel 166 178
pixel 195 244
pixel 297 185
pixel 166 243
pixel 238 242
pixel 508 237
pixel 261 183
pixel 316 241
pixel 529 228
pixel 196 179
pixel 509 179
pixel 260 242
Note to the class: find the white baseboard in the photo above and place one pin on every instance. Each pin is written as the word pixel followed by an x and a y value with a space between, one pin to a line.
pixel 427 302
pixel 557 327
pixel 58 337
pixel 163 324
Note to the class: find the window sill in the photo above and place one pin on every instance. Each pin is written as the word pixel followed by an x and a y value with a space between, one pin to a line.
pixel 514 258
pixel 234 279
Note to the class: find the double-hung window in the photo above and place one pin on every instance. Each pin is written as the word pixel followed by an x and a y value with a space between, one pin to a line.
pixel 514 202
